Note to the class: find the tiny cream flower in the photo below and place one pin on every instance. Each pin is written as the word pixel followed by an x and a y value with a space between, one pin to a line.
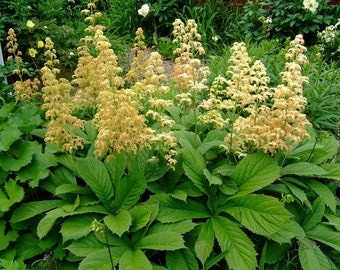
pixel 30 24
pixel 215 38
pixel 311 5
pixel 144 10
pixel 32 52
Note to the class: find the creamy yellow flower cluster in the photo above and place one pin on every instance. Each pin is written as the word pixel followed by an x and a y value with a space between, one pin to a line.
pixel 260 117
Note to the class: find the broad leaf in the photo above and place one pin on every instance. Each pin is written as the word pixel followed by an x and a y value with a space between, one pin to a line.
pixel 180 227
pixel 291 230
pixel 303 169
pixel 260 214
pixel 212 179
pixel 324 192
pixel 38 168
pixel 205 242
pixel 242 255
pixel 298 193
pixel 20 154
pixel 181 259
pixel 47 222
pixel 101 260
pixel 315 215
pixel 311 257
pixel 31 209
pixel 194 165
pixel 141 216
pixel 95 174
pixel 254 172
pixel 10 194
pixel 333 171
pixel 119 223
pixel 134 259
pixel 25 118
pixel 70 188
pixel 116 165
pixel 326 235
pixel 172 210
pixel 129 190
pixel 85 246
pixel 162 241
pixel 8 136
pixel 76 227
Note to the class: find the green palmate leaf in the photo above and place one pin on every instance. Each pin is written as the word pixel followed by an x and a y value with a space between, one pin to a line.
pixel 141 216
pixel 260 214
pixel 324 192
pixel 129 190
pixel 77 227
pixel 327 235
pixel 181 259
pixel 162 241
pixel 134 259
pixel 8 136
pixel 194 165
pixel 101 260
pixel 10 194
pixel 25 118
pixel 303 169
pixel 312 258
pixel 85 246
pixel 38 168
pixel 31 209
pixel 254 172
pixel 95 174
pixel 242 255
pixel 119 223
pixel 315 215
pixel 5 110
pixel 20 154
pixel 205 242
pixel 6 236
pixel 172 210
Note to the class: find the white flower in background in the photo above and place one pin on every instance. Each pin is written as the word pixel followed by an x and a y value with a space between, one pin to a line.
pixel 215 38
pixel 311 5
pixel 144 10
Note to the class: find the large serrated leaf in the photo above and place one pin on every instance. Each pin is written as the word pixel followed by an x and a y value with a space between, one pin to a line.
pixel 333 171
pixel 181 259
pixel 76 227
pixel 141 216
pixel 194 165
pixel 95 174
pixel 134 259
pixel 31 209
pixel 311 257
pixel 8 136
pixel 254 172
pixel 162 241
pixel 242 255
pixel 119 223
pixel 85 246
pixel 180 227
pixel 260 214
pixel 205 242
pixel 172 210
pixel 6 236
pixel 324 193
pixel 326 235
pixel 303 169
pixel 101 260
pixel 129 190
pixel 315 215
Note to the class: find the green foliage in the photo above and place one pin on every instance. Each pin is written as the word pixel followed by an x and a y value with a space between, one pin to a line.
pixel 282 19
